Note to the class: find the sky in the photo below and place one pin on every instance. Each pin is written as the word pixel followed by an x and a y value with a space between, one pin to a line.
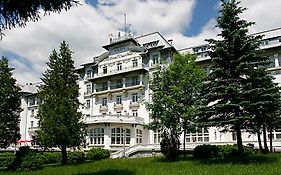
pixel 87 27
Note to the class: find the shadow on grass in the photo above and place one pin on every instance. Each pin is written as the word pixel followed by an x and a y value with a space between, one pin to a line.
pixel 245 160
pixel 250 159
pixel 110 172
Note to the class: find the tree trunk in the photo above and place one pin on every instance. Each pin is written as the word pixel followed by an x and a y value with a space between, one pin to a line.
pixel 264 139
pixel 63 155
pixel 184 133
pixel 270 140
pixel 239 139
pixel 259 140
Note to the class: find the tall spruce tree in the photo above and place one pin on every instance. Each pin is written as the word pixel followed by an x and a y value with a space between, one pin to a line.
pixel 263 104
pixel 174 101
pixel 59 120
pixel 9 105
pixel 234 59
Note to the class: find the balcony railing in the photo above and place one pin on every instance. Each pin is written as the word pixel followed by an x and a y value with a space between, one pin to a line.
pixel 120 87
pixel 116 71
pixel 110 118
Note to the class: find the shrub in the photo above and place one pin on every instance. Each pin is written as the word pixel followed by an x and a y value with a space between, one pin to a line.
pixel 6 159
pixel 97 154
pixel 32 161
pixel 228 150
pixel 23 151
pixel 51 157
pixel 76 157
pixel 205 151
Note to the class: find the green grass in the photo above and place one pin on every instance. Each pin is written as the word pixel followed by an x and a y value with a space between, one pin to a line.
pixel 258 165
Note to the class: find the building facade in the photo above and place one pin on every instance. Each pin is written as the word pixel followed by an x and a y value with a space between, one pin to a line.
pixel 114 87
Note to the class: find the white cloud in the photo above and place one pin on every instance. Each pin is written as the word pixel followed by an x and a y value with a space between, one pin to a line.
pixel 86 29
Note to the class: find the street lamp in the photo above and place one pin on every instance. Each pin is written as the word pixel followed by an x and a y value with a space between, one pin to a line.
pixel 124 138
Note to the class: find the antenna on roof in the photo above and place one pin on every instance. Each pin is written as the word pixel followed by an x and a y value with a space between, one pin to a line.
pixel 125 15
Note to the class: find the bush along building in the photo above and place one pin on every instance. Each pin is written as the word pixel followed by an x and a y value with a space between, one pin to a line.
pixel 114 87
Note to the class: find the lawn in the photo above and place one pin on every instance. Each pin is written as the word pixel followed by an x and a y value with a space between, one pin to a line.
pixel 264 165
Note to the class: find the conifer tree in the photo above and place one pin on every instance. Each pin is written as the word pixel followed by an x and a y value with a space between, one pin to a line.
pixel 59 120
pixel 9 105
pixel 234 59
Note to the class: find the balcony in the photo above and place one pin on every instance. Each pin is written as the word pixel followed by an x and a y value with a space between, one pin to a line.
pixel 103 108
pixel 33 129
pixel 89 93
pixel 134 104
pixel 118 106
pixel 115 71
pixel 109 118
pixel 117 88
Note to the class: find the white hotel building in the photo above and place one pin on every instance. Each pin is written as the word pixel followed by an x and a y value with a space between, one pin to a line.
pixel 114 87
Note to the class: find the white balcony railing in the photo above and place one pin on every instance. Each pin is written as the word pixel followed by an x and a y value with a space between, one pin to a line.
pixel 110 118
pixel 116 71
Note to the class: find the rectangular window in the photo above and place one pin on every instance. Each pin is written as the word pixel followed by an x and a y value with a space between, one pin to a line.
pixel 119 99
pixel 32 113
pixel 135 97
pixel 135 81
pixel 89 73
pixel 135 63
pixel 31 101
pixel 31 124
pixel 155 59
pixel 104 101
pixel 104 86
pixel 89 88
pixel 119 66
pixel 118 113
pixel 119 84
pixel 135 113
pixel 104 70
pixel 88 104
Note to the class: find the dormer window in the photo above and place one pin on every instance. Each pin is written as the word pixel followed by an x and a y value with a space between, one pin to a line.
pixel 119 66
pixel 104 70
pixel 135 63
pixel 155 59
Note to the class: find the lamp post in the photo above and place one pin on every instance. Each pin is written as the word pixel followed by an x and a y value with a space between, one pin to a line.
pixel 124 137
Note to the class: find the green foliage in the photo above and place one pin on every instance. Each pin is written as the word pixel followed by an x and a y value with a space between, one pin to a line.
pixel 18 13
pixel 169 146
pixel 175 90
pixel 20 155
pixel 59 119
pixel 259 164
pixel 51 157
pixel 9 105
pixel 229 89
pixel 76 157
pixel 31 161
pixel 97 154
pixel 6 159
pixel 205 151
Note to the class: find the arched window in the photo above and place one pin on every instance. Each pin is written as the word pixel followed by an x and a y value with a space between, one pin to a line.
pixel 96 136
pixel 117 135
pixel 139 136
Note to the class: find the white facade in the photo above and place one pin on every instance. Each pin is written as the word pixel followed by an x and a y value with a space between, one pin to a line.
pixel 114 87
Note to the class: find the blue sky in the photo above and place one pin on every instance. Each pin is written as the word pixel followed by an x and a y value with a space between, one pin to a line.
pixel 87 27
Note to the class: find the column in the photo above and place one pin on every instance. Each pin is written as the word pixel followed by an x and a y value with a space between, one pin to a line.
pixel 276 60
pixel 107 137
pixel 94 87
pixel 133 136
pixel 124 82
pixel 141 79
pixel 108 85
